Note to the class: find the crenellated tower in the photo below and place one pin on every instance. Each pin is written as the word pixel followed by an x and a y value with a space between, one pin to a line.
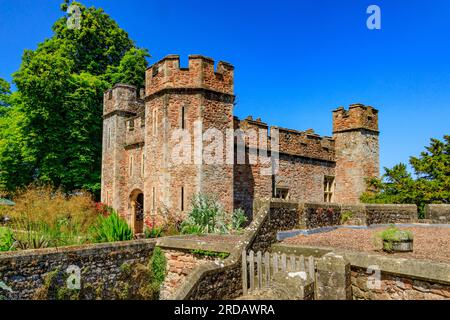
pixel 120 103
pixel 196 100
pixel 356 136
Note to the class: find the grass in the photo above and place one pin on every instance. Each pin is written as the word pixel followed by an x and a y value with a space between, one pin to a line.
pixel 44 217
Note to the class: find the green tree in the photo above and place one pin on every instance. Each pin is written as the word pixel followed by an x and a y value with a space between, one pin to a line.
pixel 57 110
pixel 430 183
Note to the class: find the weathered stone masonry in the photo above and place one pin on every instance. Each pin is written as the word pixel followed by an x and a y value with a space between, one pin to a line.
pixel 140 180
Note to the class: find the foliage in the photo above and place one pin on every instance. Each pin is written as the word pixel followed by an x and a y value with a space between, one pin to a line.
pixel 346 216
pixel 154 232
pixel 431 183
pixel 111 228
pixel 391 235
pixel 212 254
pixel 206 214
pixel 140 281
pixel 158 265
pixel 6 239
pixel 44 217
pixel 50 129
pixel 55 288
pixel 239 219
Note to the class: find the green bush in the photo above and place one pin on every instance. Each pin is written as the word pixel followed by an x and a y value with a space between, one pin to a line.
pixel 110 229
pixel 6 239
pixel 158 265
pixel 346 216
pixel 239 219
pixel 151 233
pixel 386 237
pixel 207 215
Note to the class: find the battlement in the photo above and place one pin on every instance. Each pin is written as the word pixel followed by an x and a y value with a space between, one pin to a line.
pixel 200 73
pixel 298 143
pixel 306 144
pixel 124 98
pixel 357 117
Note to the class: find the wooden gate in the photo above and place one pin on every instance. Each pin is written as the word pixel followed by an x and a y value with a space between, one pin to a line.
pixel 258 269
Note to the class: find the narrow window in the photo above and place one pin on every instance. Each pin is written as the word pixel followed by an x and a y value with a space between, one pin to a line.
pixel 328 186
pixel 109 138
pixel 155 122
pixel 183 118
pixel 131 166
pixel 143 164
pixel 182 199
pixel 131 125
pixel 153 199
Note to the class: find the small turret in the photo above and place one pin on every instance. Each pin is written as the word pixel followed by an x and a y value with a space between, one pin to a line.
pixel 122 97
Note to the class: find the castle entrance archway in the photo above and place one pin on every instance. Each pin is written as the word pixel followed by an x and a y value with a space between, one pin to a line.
pixel 137 211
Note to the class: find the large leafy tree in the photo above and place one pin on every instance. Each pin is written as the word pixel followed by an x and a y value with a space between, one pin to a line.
pixel 430 183
pixel 54 120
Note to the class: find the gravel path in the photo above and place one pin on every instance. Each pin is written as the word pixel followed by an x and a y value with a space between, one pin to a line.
pixel 429 243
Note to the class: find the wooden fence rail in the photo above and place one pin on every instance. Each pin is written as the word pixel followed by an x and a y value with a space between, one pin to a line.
pixel 258 269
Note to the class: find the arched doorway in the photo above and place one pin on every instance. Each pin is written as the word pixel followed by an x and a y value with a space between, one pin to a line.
pixel 137 211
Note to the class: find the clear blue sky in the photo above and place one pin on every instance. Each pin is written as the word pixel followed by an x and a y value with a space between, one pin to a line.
pixel 295 61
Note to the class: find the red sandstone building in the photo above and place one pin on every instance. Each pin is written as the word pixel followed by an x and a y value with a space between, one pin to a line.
pixel 141 180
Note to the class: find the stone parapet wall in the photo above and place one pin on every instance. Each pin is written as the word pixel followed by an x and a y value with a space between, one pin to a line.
pixel 317 215
pixel 100 266
pixel 378 277
pixel 438 213
pixel 395 287
pixel 391 213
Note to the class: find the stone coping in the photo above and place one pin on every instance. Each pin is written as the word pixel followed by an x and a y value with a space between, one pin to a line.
pixel 87 249
pixel 184 243
pixel 414 268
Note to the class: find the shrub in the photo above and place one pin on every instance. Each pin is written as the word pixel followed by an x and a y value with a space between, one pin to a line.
pixel 153 232
pixel 239 219
pixel 158 265
pixel 6 239
pixel 44 217
pixel 386 237
pixel 207 214
pixel 346 216
pixel 111 228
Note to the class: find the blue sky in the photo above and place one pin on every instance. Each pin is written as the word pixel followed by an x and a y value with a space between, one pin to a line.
pixel 295 61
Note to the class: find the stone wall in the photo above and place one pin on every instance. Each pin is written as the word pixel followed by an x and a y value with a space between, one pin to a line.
pixel 101 266
pixel 317 215
pixel 391 213
pixel 438 213
pixel 395 287
pixel 180 264
pixel 399 279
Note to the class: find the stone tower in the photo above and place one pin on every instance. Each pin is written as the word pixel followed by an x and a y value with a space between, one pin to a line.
pixel 357 150
pixel 192 101
pixel 120 103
